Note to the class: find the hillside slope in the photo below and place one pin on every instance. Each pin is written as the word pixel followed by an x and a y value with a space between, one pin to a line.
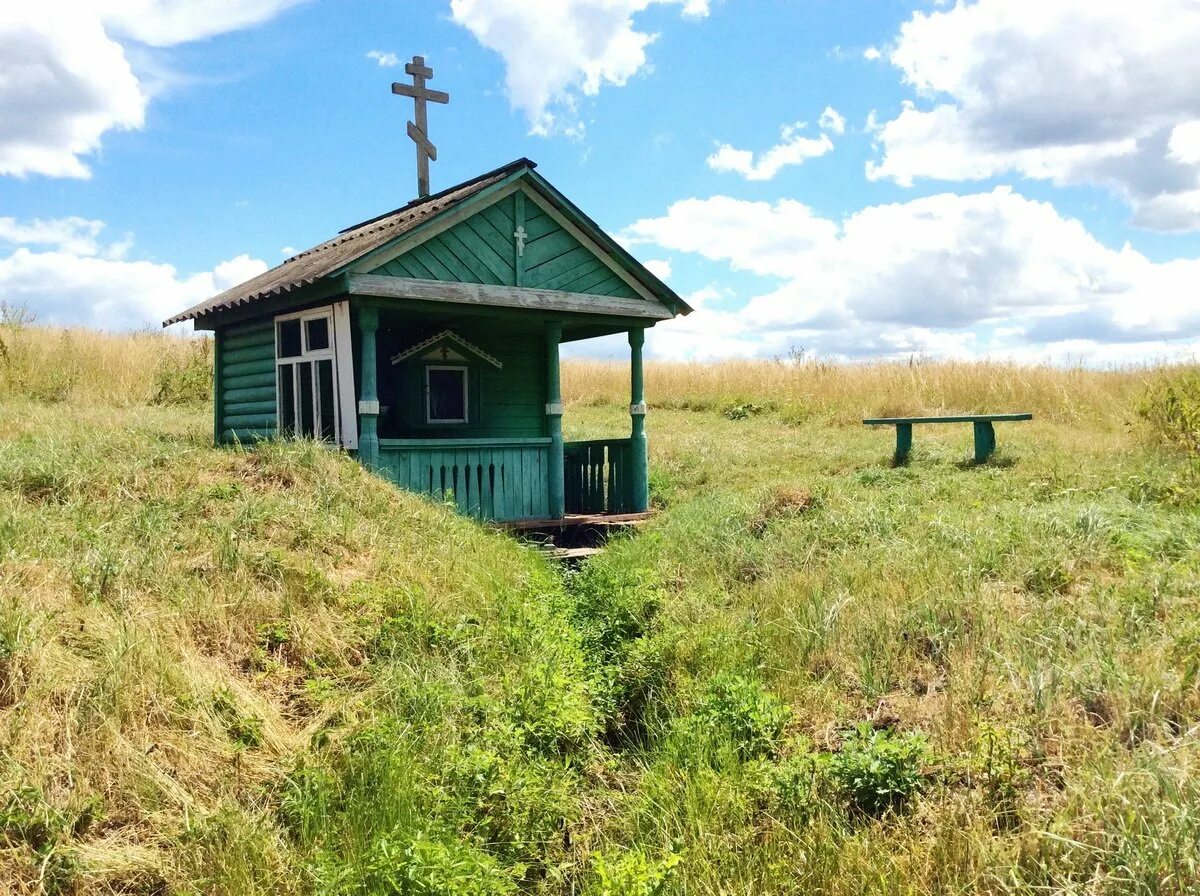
pixel 268 672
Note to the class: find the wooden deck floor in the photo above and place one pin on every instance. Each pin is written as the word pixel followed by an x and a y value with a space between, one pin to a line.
pixel 572 520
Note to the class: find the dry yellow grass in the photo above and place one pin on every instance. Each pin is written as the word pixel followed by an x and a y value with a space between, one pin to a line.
pixel 79 365
pixel 847 392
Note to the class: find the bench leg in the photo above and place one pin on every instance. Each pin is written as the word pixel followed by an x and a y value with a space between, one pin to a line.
pixel 903 441
pixel 985 440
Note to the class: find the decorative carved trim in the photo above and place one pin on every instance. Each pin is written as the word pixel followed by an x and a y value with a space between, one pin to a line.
pixel 638 410
pixel 554 408
pixel 451 335
pixel 368 407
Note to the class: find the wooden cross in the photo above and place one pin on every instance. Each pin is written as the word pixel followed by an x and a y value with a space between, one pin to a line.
pixel 520 234
pixel 419 132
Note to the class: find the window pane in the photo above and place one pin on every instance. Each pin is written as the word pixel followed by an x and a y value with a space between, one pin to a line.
pixel 288 344
pixel 306 400
pixel 326 400
pixel 447 397
pixel 317 334
pixel 287 400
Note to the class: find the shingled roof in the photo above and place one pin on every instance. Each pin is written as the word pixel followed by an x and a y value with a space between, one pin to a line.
pixel 350 244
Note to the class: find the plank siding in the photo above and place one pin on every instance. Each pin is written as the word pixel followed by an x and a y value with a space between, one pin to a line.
pixel 247 409
pixel 482 249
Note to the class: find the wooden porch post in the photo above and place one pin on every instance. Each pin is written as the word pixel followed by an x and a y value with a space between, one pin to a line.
pixel 554 410
pixel 639 467
pixel 368 396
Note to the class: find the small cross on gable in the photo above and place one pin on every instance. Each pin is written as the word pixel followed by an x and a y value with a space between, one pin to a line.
pixel 418 131
pixel 520 235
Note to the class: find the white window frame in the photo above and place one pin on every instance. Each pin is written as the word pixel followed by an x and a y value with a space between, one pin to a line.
pixel 465 371
pixel 345 423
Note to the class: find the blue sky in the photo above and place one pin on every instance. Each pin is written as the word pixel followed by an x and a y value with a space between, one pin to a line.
pixel 994 178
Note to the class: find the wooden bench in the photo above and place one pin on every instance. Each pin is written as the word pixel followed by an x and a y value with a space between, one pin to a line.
pixel 985 433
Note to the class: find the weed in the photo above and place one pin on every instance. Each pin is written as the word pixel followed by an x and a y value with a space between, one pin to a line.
pixel 877 770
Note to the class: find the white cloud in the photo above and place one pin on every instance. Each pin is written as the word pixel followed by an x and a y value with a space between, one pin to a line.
pixel 752 236
pixel 80 280
pixel 556 50
pixel 832 121
pixel 1073 91
pixel 78 236
pixel 288 251
pixel 165 23
pixel 872 53
pixel 385 59
pixel 659 267
pixel 66 79
pixel 943 275
pixel 794 149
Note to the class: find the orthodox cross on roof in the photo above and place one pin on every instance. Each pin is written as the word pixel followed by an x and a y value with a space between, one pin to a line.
pixel 419 132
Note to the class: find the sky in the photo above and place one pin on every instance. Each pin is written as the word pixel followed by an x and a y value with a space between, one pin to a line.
pixel 849 179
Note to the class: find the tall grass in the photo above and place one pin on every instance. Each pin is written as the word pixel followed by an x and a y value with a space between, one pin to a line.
pixel 845 393
pixel 79 365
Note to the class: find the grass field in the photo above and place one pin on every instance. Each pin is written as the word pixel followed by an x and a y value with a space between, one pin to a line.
pixel 268 672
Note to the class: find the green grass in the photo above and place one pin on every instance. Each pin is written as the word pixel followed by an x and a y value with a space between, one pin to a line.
pixel 268 672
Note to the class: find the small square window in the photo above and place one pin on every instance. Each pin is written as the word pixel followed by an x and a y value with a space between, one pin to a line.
pixel 446 393
pixel 316 334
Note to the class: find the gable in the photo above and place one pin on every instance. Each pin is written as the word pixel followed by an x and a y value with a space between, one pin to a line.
pixel 438 348
pixel 483 248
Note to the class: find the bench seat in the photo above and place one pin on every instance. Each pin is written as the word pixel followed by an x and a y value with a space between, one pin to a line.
pixel 985 433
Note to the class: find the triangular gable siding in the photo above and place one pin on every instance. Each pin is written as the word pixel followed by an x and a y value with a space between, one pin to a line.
pixel 481 249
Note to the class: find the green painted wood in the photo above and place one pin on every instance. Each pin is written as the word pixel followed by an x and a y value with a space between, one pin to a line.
pixel 464 443
pixel 985 440
pixel 264 378
pixel 244 368
pixel 480 272
pixel 254 393
pixel 497 240
pixel 265 406
pixel 498 265
pixel 550 246
pixel 486 481
pixel 368 421
pixel 615 287
pixel 218 391
pixel 567 262
pixel 582 278
pixel 482 249
pixel 249 355
pixel 443 253
pixel 247 435
pixel 257 339
pixel 639 468
pixel 959 418
pixel 555 498
pixel 249 421
pixel 502 214
pixel 432 263
pixel 903 441
pixel 244 380
pixel 519 254
pixel 538 223
pixel 477 256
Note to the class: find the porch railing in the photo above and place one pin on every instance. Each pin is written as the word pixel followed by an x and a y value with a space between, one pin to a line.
pixel 596 476
pixel 497 479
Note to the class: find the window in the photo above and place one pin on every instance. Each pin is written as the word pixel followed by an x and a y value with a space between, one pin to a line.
pixel 306 376
pixel 445 394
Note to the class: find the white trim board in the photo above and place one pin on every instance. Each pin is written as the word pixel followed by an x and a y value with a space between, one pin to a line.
pixel 386 287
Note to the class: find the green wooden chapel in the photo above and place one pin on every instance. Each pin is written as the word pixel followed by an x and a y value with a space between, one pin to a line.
pixel 426 341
